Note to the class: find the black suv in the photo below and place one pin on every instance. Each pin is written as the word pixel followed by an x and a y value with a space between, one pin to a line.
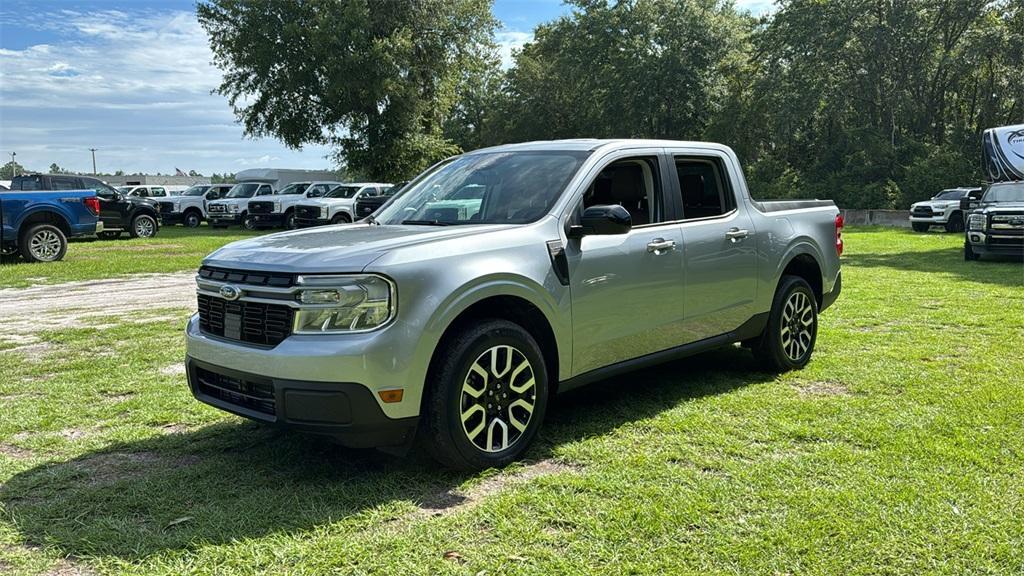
pixel 119 213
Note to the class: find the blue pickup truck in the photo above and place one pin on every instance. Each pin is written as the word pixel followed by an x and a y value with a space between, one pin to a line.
pixel 37 224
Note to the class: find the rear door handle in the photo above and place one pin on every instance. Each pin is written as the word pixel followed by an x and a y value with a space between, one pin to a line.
pixel 660 245
pixel 735 234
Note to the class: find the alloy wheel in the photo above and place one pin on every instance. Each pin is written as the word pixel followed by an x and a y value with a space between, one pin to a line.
pixel 797 325
pixel 45 245
pixel 498 398
pixel 144 227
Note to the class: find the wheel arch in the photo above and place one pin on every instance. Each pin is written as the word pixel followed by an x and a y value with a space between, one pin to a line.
pixel 805 265
pixel 44 216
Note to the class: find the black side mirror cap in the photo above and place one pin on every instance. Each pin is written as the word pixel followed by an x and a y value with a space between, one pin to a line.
pixel 602 221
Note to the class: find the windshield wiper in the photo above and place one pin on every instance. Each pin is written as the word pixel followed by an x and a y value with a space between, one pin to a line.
pixel 425 222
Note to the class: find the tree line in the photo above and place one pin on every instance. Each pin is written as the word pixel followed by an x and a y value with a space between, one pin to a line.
pixel 874 103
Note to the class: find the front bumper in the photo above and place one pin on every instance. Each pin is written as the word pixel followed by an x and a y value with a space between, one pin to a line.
pixel 271 219
pixel 310 222
pixel 224 219
pixel 346 411
pixel 990 242
pixel 935 220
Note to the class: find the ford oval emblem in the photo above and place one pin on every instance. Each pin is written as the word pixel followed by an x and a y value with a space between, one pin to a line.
pixel 229 292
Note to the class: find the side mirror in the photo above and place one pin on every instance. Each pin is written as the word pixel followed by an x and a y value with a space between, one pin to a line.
pixel 965 203
pixel 602 221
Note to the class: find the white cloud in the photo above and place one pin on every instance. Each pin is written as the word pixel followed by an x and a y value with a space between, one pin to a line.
pixel 509 42
pixel 137 86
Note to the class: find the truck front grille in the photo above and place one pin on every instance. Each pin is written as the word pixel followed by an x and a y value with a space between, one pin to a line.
pixel 219 208
pixel 258 396
pixel 243 321
pixel 275 279
pixel 922 212
pixel 307 212
pixel 261 207
pixel 166 207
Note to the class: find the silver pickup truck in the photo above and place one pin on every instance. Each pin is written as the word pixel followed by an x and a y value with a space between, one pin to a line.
pixel 501 277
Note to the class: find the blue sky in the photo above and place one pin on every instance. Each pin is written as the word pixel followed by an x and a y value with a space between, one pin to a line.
pixel 133 79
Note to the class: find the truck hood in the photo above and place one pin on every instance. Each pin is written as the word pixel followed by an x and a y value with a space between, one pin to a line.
pixel 330 249
pixel 1000 207
pixel 941 204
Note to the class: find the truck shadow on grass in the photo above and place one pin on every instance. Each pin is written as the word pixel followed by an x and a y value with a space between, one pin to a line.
pixel 234 481
pixel 1003 270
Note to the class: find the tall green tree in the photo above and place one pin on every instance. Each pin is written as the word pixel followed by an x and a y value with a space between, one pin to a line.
pixel 375 78
pixel 11 169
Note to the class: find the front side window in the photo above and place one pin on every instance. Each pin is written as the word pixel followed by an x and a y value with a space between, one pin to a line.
pixel 295 188
pixel 634 184
pixel 511 188
pixel 157 192
pixel 102 189
pixel 242 190
pixel 195 191
pixel 705 193
pixel 342 191
pixel 265 190
pixel 950 195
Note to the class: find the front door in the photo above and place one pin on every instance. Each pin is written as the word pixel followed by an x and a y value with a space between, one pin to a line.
pixel 627 290
pixel 719 247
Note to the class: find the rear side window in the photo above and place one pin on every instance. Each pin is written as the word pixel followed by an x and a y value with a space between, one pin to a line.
pixel 705 191
pixel 64 183
pixel 27 183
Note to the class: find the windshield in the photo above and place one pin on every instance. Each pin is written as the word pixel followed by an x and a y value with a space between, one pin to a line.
pixel 950 195
pixel 1008 192
pixel 486 188
pixel 243 190
pixel 295 188
pixel 342 192
pixel 195 191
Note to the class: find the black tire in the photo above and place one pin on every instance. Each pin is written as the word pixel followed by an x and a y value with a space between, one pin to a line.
pixel 955 222
pixel 143 226
pixel 248 222
pixel 289 220
pixel 341 218
pixel 444 433
pixel 773 349
pixel 114 235
pixel 969 254
pixel 42 243
pixel 919 226
pixel 192 219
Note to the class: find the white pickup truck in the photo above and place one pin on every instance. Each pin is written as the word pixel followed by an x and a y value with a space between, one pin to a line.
pixel 280 210
pixel 233 207
pixel 189 208
pixel 338 206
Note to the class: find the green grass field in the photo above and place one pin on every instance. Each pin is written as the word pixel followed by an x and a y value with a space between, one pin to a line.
pixel 175 248
pixel 898 450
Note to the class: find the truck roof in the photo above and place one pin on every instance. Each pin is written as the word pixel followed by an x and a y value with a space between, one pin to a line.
pixel 591 144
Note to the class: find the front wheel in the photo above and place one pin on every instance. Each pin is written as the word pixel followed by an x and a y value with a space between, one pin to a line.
pixel 43 243
pixel 289 220
pixel 919 226
pixel 192 220
pixel 969 254
pixel 143 226
pixel 248 222
pixel 487 396
pixel 788 340
pixel 341 218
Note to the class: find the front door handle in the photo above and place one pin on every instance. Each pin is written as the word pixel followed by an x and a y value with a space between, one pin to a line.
pixel 660 245
pixel 735 234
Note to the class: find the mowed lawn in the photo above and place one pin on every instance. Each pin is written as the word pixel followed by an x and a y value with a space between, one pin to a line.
pixel 175 248
pixel 898 450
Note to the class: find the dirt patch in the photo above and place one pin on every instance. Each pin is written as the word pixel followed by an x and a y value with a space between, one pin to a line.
pixel 173 370
pixel 33 352
pixel 27 311
pixel 68 567
pixel 451 501
pixel 15 452
pixel 823 388
pixel 109 468
pixel 174 428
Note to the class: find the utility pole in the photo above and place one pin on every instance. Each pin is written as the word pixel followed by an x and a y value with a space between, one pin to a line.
pixel 14 166
pixel 93 150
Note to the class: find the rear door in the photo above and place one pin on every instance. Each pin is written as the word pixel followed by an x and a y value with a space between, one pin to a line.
pixel 719 245
pixel 627 289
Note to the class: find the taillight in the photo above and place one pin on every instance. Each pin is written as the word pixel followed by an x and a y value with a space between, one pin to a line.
pixel 93 204
pixel 839 234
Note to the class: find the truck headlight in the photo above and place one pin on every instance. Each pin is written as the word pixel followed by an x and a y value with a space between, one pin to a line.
pixel 177 207
pixel 332 304
pixel 234 207
pixel 976 222
pixel 277 206
pixel 323 211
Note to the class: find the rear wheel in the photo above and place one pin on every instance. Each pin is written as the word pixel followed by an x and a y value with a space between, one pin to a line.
pixel 193 219
pixel 143 226
pixel 43 243
pixel 955 222
pixel 788 340
pixel 487 396
pixel 919 226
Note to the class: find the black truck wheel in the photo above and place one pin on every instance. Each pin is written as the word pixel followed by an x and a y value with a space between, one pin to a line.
pixel 42 243
pixel 487 396
pixel 193 218
pixel 341 218
pixel 143 226
pixel 248 222
pixel 919 226
pixel 788 340
pixel 969 254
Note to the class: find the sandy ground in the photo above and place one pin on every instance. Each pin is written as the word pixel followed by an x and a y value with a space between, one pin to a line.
pixel 27 311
